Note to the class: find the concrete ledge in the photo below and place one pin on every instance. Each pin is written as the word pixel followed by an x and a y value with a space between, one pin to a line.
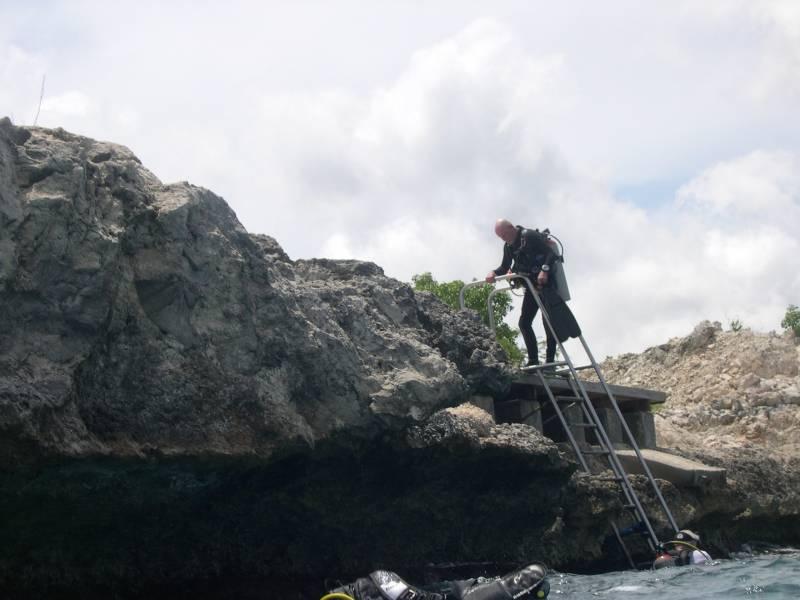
pixel 643 428
pixel 678 470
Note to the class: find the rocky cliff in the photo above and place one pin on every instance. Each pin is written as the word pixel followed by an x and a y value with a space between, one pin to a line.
pixel 187 412
pixel 182 405
pixel 140 317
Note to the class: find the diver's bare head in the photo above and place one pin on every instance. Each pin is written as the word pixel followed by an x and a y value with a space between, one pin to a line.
pixel 505 230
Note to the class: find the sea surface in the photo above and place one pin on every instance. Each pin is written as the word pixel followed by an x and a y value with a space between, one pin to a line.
pixel 766 576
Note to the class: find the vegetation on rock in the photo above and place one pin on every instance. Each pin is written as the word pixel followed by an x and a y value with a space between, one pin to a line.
pixel 791 319
pixel 476 299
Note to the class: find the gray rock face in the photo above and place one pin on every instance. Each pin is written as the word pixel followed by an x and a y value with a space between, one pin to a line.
pixel 140 317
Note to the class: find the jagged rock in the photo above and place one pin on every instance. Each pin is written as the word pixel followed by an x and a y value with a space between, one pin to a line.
pixel 702 336
pixel 469 426
pixel 718 389
pixel 142 317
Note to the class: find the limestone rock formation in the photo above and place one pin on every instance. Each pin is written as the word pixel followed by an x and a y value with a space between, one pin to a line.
pixel 726 389
pixel 140 317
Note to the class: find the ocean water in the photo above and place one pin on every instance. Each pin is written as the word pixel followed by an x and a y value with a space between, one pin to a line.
pixel 767 576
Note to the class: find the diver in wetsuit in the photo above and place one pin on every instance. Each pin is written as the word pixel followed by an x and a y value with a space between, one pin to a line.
pixel 526 252
pixel 525 584
pixel 683 550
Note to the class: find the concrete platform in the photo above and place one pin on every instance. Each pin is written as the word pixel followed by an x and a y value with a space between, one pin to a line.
pixel 678 470
pixel 629 399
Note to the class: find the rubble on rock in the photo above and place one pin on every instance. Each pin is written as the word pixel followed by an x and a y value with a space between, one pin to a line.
pixel 725 389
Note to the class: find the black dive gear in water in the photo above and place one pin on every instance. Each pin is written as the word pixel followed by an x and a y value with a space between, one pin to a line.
pixel 527 583
pixel 385 585
pixel 524 584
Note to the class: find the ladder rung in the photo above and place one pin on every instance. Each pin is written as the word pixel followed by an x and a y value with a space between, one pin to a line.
pixel 599 451
pixel 532 368
pixel 629 507
pixel 568 399
pixel 567 371
pixel 591 425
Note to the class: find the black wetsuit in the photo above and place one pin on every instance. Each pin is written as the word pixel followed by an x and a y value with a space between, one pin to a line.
pixel 528 253
pixel 525 584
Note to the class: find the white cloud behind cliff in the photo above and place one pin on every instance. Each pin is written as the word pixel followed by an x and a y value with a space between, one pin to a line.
pixel 660 143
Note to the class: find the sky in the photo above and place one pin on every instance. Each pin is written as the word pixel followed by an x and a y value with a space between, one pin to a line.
pixel 660 141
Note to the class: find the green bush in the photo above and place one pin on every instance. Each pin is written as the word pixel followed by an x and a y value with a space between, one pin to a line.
pixel 476 298
pixel 791 319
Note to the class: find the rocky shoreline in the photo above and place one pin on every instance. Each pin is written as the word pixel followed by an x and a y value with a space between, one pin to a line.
pixel 184 410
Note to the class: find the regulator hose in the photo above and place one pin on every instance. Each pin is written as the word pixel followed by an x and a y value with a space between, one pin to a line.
pixel 337 596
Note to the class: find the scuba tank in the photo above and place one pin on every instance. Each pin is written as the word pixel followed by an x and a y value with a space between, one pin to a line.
pixel 560 277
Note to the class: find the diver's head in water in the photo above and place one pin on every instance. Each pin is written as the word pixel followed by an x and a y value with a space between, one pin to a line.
pixel 687 535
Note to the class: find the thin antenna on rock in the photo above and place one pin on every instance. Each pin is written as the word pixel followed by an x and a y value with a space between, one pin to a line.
pixel 41 95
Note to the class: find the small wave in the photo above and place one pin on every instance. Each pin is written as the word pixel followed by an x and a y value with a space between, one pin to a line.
pixel 627 588
pixel 767 577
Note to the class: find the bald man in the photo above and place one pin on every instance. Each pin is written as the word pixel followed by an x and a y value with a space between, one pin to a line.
pixel 531 255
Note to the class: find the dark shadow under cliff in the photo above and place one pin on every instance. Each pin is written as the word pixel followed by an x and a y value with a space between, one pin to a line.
pixel 200 528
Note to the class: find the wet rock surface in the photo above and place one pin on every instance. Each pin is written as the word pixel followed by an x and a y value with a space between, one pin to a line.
pixel 187 412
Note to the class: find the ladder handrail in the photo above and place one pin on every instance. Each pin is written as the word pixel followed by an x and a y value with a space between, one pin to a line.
pixel 464 289
pixel 461 301
pixel 490 302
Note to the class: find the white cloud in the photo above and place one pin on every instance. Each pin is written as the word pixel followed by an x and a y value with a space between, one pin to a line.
pixel 21 73
pixel 453 141
pixel 777 44
pixel 762 184
pixel 69 104
pixel 401 135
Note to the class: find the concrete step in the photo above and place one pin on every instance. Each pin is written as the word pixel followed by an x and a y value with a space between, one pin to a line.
pixel 678 470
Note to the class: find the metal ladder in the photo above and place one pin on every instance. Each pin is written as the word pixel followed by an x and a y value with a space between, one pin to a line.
pixel 565 369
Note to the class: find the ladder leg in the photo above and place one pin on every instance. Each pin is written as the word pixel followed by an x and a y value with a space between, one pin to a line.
pixel 591 417
pixel 630 437
pixel 601 433
pixel 622 544
pixel 564 423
